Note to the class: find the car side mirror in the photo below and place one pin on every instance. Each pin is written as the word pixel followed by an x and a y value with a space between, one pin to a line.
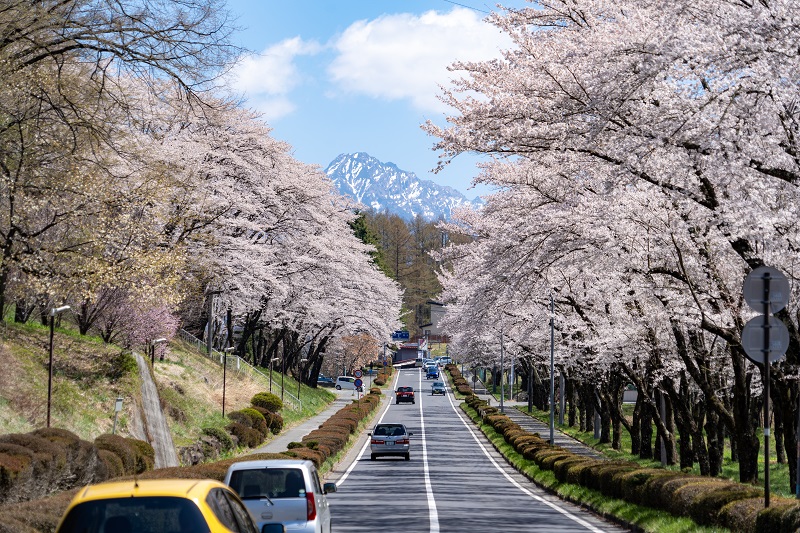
pixel 409 433
pixel 329 487
pixel 273 528
pixel 369 433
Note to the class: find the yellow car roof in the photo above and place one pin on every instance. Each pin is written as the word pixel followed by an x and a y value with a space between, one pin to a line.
pixel 185 488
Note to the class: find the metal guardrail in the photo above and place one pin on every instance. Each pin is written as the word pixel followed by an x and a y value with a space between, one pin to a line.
pixel 238 365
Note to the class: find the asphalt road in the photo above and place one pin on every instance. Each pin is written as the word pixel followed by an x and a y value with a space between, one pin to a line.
pixel 454 482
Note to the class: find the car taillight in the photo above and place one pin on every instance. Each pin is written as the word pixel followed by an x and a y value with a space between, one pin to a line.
pixel 401 441
pixel 376 441
pixel 311 506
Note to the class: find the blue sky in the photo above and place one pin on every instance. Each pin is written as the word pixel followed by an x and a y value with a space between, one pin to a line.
pixel 342 76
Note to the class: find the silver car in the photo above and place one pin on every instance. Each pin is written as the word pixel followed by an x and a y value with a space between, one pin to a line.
pixel 390 439
pixel 278 491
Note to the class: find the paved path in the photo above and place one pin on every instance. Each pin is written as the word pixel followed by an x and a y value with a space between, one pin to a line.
pixel 155 421
pixel 296 433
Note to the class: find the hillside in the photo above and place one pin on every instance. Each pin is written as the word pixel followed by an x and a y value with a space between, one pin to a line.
pixel 88 376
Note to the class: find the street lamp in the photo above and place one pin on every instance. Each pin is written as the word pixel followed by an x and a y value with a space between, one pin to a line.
pixel 117 409
pixel 53 312
pixel 552 377
pixel 502 373
pixel 270 372
pixel 153 350
pixel 224 372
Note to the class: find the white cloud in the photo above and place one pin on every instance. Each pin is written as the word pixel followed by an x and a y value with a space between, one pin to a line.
pixel 405 56
pixel 267 78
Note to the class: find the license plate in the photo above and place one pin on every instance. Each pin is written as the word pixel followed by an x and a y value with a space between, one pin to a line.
pixel 389 443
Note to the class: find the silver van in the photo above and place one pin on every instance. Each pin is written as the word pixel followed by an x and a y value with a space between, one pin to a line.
pixel 283 491
pixel 347 383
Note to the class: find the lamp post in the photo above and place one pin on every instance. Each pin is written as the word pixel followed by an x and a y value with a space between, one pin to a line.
pixel 502 373
pixel 270 372
pixel 224 374
pixel 552 377
pixel 153 350
pixel 53 312
pixel 117 409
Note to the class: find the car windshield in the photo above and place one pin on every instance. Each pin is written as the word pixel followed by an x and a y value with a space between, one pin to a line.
pixel 148 514
pixel 405 389
pixel 389 430
pixel 438 384
pixel 274 483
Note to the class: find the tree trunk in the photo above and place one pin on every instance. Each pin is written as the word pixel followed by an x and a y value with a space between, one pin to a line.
pixel 636 427
pixel 646 441
pixel 571 398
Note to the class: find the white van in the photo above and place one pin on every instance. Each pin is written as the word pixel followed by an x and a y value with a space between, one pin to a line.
pixel 287 492
pixel 347 383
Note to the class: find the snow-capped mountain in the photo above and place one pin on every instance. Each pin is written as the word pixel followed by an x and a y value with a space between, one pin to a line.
pixel 384 186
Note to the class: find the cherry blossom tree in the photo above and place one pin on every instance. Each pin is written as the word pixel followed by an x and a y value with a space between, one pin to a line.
pixel 663 135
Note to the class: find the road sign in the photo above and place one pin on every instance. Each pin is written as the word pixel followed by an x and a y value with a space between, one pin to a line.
pixel 754 286
pixel 401 335
pixel 358 383
pixel 753 339
pixel 358 373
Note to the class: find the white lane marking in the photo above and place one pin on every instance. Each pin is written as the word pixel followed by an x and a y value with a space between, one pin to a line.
pixel 366 444
pixel 566 513
pixel 432 512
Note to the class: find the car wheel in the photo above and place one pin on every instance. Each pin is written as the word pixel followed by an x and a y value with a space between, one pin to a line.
pixel 338 387
pixel 412 401
pixel 373 457
pixel 408 457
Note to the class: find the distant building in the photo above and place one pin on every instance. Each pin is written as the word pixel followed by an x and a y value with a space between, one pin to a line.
pixel 432 330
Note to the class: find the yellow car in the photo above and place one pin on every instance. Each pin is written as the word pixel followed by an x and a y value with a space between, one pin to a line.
pixel 157 506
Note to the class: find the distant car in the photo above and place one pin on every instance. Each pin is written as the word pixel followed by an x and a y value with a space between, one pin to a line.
pixel 433 373
pixel 325 381
pixel 347 383
pixel 438 388
pixel 156 505
pixel 390 439
pixel 283 491
pixel 404 394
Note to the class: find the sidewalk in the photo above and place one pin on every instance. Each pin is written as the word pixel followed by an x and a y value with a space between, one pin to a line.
pixel 296 433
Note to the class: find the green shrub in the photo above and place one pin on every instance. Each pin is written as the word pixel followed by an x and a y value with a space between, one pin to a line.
pixel 112 462
pixel 257 421
pixel 122 365
pixel 121 447
pixel 705 507
pixel 549 461
pixel 561 466
pixel 740 515
pixel 248 437
pixel 294 445
pixel 145 455
pixel 268 401
pixel 225 441
pixel 274 422
pixel 375 390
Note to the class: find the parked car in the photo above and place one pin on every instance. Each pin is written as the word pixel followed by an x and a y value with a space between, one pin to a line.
pixel 438 388
pixel 347 383
pixel 390 439
pixel 404 394
pixel 157 505
pixel 283 491
pixel 433 373
pixel 325 381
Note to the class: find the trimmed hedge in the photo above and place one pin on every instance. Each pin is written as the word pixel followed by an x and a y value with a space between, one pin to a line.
pixel 225 441
pixel 268 401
